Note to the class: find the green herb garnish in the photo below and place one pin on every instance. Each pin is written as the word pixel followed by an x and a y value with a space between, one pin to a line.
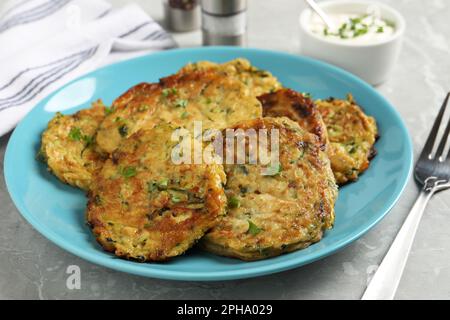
pixel 75 134
pixel 162 185
pixel 234 202
pixel 253 229
pixel 184 115
pixel 354 21
pixel 356 27
pixel 178 195
pixel 168 91
pixel 108 110
pixel 128 172
pixel 360 32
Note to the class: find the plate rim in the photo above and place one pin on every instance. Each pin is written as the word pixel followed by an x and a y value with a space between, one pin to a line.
pixel 270 268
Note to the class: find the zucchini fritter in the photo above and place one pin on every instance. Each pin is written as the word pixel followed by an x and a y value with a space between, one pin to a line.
pixel 144 207
pixel 67 146
pixel 215 99
pixel 352 135
pixel 272 214
pixel 257 80
pixel 297 107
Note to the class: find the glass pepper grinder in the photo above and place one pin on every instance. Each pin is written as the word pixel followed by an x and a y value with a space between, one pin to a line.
pixel 182 15
pixel 224 22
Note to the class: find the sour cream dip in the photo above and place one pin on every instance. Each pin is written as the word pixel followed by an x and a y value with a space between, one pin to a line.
pixel 353 28
pixel 366 37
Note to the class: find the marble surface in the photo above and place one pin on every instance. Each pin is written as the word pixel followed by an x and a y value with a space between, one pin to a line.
pixel 31 267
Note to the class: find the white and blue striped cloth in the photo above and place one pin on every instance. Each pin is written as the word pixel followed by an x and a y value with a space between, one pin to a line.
pixel 46 43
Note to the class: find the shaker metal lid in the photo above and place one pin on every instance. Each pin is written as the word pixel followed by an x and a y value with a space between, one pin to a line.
pixel 181 20
pixel 223 7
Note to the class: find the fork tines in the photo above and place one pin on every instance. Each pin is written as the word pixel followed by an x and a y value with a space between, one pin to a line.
pixel 428 148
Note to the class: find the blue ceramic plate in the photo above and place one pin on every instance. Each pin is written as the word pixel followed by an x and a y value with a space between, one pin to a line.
pixel 57 210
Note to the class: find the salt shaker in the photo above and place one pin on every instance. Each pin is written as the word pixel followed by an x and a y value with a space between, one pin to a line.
pixel 182 15
pixel 224 22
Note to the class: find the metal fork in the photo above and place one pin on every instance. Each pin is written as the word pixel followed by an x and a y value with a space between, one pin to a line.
pixel 432 172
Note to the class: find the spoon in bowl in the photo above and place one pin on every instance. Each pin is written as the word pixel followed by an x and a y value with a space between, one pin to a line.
pixel 317 9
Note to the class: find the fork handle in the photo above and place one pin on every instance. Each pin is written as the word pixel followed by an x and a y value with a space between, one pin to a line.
pixel 387 277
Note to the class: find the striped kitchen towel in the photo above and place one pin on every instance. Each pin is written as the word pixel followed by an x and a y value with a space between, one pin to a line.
pixel 46 43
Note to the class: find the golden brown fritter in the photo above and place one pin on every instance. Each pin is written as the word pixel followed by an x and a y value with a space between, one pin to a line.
pixel 208 96
pixel 67 146
pixel 256 80
pixel 281 212
pixel 297 107
pixel 144 207
pixel 352 135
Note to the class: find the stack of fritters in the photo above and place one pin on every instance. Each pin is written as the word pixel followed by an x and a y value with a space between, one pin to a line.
pixel 144 207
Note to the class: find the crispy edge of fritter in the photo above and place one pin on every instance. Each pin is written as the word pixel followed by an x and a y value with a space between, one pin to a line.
pixel 60 170
pixel 297 107
pixel 249 256
pixel 258 80
pixel 138 90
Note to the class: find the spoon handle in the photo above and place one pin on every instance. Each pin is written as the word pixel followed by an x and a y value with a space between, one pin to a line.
pixel 321 13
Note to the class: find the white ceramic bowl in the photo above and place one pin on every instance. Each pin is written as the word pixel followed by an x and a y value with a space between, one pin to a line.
pixel 372 62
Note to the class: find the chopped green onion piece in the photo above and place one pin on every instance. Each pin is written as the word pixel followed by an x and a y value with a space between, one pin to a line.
pixel 234 202
pixel 253 229
pixel 108 110
pixel 75 134
pixel 168 91
pixel 184 115
pixel 129 172
pixel 162 185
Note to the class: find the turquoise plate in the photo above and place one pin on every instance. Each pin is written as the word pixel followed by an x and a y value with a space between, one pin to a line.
pixel 57 210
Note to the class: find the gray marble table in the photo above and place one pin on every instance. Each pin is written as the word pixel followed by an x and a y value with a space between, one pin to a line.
pixel 31 267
